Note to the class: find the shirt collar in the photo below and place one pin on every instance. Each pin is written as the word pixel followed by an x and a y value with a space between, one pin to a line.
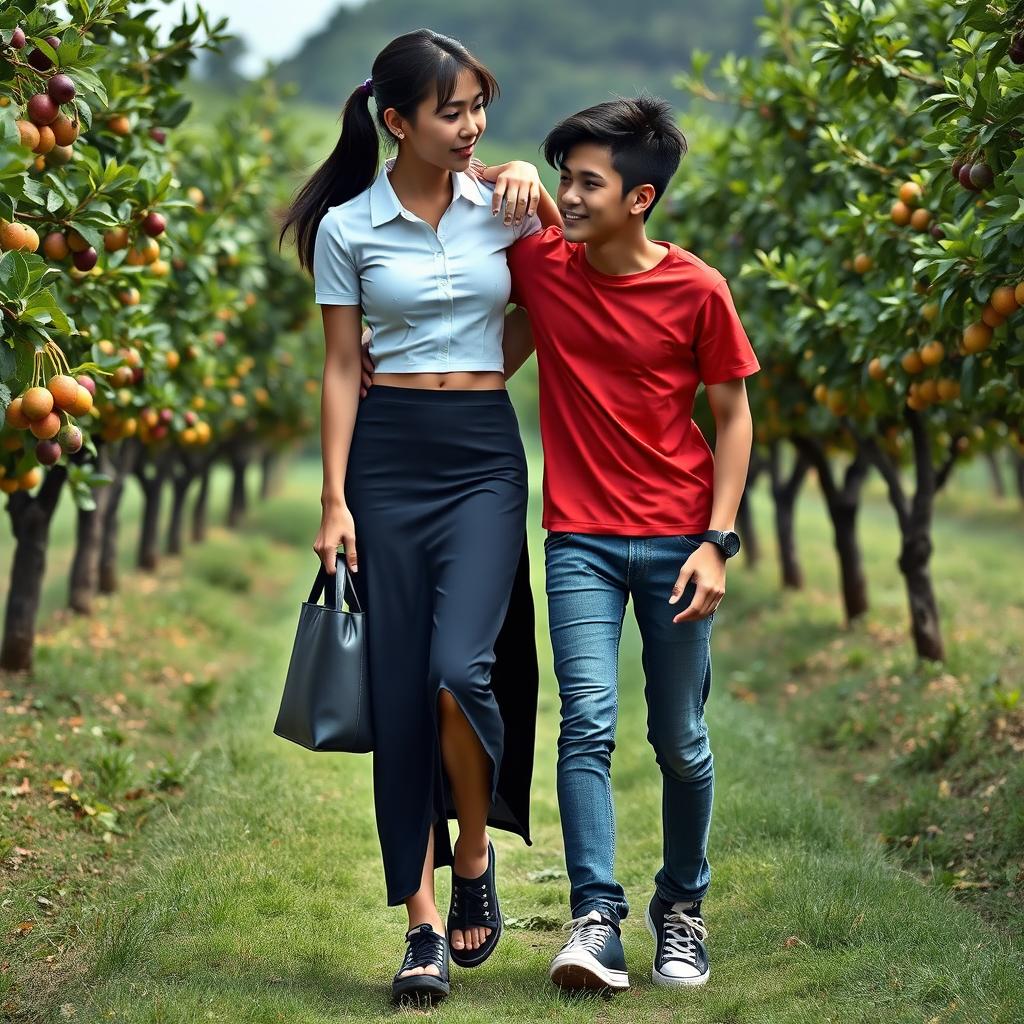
pixel 385 206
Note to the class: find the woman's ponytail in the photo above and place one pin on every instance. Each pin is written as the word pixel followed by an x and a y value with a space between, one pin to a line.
pixel 407 71
pixel 349 170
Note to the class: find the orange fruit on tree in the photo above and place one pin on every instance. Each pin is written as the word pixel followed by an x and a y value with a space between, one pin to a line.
pixel 36 403
pixel 65 130
pixel 119 125
pixel 30 479
pixel 992 317
pixel 129 297
pixel 1004 301
pixel 862 263
pixel 160 268
pixel 912 362
pixel 82 403
pixel 15 417
pixel 76 243
pixel 977 338
pixel 948 389
pixel 45 428
pixel 47 140
pixel 19 237
pixel 910 193
pixel 920 219
pixel 875 369
pixel 933 353
pixel 928 391
pixel 28 133
pixel 172 359
pixel 930 310
pixel 64 390
pixel 55 246
pixel 900 213
pixel 916 403
pixel 115 239
pixel 1018 294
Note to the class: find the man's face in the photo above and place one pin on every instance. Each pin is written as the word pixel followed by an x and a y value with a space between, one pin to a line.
pixel 590 197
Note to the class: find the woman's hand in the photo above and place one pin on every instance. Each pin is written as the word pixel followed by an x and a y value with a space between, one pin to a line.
pixel 366 382
pixel 517 183
pixel 337 528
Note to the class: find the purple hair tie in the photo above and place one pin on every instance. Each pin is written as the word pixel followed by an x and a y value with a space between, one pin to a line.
pixel 367 87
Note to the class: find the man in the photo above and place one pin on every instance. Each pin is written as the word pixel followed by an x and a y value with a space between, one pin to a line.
pixel 626 328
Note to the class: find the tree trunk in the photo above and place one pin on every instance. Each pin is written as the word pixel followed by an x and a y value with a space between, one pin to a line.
pixel 83 582
pixel 151 471
pixel 122 461
pixel 843 504
pixel 1018 471
pixel 914 514
pixel 200 506
pixel 996 473
pixel 270 476
pixel 239 455
pixel 745 525
pixel 785 490
pixel 30 521
pixel 183 472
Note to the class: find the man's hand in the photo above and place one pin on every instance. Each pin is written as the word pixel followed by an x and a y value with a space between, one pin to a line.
pixel 368 367
pixel 706 568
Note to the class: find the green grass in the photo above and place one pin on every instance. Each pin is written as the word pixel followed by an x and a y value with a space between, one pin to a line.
pixel 258 895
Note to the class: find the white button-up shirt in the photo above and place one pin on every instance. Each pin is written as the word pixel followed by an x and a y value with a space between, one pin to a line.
pixel 435 299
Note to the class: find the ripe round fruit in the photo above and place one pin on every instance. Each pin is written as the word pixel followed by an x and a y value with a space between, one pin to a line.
pixel 48 452
pixel 173 359
pixel 900 213
pixel 46 427
pixel 1004 301
pixel 196 196
pixel 86 259
pixel 18 38
pixel 105 347
pixel 129 297
pixel 122 377
pixel 910 193
pixel 65 130
pixel 982 176
pixel 948 389
pixel 18 236
pixel 160 268
pixel 154 224
pixel 928 391
pixel 55 246
pixel 933 353
pixel 862 263
pixel 76 243
pixel 70 437
pixel 964 178
pixel 86 382
pixel 875 369
pixel 1016 50
pixel 120 125
pixel 33 478
pixel 1018 294
pixel 821 393
pixel 39 60
pixel 63 388
pixel 115 239
pixel 47 140
pixel 920 219
pixel 36 403
pixel 59 156
pixel 15 417
pixel 991 317
pixel 29 134
pixel 930 310
pixel 41 109
pixel 83 402
pixel 912 362
pixel 158 135
pixel 61 89
pixel 937 233
pixel 136 257
pixel 977 338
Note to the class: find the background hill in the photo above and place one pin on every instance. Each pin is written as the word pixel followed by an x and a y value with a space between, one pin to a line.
pixel 550 58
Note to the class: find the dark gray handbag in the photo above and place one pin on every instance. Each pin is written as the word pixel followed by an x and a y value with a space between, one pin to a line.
pixel 326 700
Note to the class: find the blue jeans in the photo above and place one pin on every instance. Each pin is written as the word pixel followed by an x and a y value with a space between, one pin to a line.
pixel 590 578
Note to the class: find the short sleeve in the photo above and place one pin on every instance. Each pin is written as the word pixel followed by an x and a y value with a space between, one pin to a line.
pixel 525 260
pixel 722 348
pixel 335 277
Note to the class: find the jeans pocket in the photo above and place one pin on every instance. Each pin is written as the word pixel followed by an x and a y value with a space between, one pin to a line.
pixel 556 537
pixel 688 542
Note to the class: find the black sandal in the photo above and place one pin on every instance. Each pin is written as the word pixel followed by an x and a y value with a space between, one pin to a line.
pixel 426 949
pixel 475 905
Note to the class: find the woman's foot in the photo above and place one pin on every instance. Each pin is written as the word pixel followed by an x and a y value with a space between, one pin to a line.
pixel 475 912
pixel 471 859
pixel 423 976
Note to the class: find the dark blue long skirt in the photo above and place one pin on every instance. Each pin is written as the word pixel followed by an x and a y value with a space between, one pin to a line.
pixel 437 485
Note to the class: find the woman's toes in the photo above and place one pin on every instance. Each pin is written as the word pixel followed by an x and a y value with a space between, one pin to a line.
pixel 457 940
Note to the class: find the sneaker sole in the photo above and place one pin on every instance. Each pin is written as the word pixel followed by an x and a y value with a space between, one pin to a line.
pixel 414 991
pixel 577 973
pixel 668 980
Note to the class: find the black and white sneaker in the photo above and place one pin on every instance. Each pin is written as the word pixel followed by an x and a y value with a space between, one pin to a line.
pixel 680 957
pixel 592 958
pixel 427 948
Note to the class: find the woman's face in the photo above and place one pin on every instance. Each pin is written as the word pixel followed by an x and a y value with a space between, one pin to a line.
pixel 447 137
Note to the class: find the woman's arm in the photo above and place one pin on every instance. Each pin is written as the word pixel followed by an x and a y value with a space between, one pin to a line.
pixel 339 400
pixel 518 182
pixel 517 341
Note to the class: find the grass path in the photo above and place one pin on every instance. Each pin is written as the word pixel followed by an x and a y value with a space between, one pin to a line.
pixel 263 900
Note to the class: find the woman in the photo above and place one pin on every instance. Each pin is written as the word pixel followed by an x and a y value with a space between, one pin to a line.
pixel 431 467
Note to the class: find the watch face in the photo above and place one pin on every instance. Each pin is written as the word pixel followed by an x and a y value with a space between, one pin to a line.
pixel 731 543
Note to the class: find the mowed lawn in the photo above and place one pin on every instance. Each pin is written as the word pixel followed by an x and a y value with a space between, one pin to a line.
pixel 261 899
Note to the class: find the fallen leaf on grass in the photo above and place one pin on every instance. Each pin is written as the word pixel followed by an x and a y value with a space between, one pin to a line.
pixel 24 789
pixel 25 927
pixel 794 940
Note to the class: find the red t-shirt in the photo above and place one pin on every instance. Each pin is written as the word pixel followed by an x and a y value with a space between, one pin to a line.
pixel 619 359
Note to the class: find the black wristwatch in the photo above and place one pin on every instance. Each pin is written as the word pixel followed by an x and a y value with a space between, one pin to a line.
pixel 728 541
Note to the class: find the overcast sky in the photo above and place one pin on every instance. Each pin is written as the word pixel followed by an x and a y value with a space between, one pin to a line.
pixel 270 28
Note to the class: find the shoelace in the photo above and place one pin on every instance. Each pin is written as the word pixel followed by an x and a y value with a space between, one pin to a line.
pixel 426 949
pixel 478 903
pixel 589 932
pixel 681 931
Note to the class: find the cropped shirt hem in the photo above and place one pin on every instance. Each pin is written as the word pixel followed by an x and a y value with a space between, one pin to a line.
pixel 435 368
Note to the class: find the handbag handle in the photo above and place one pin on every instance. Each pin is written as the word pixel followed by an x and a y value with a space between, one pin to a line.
pixel 343 585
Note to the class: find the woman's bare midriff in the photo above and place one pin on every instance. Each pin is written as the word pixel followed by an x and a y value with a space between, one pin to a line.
pixel 460 380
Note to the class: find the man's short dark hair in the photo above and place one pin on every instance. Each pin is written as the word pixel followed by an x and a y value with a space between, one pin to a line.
pixel 642 134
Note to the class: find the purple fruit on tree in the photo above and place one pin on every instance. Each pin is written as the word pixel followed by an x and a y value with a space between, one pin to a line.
pixel 42 110
pixel 982 176
pixel 965 178
pixel 1016 48
pixel 86 259
pixel 38 60
pixel 154 224
pixel 158 135
pixel 49 451
pixel 18 38
pixel 957 167
pixel 70 438
pixel 61 89
pixel 166 415
pixel 87 382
